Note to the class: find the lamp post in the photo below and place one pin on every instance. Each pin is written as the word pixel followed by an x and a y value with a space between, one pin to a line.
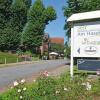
pixel 46 40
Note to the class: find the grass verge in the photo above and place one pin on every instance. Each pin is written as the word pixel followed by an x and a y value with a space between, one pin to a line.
pixel 55 88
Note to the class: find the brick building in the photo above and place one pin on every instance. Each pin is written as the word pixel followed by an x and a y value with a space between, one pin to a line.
pixel 56 40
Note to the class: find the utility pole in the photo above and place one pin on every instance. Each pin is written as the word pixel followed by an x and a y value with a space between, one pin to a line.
pixel 46 40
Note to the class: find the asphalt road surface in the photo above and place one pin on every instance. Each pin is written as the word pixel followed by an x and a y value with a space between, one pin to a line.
pixel 10 74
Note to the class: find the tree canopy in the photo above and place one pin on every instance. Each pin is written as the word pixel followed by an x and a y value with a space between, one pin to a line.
pixel 23 23
pixel 13 16
pixel 56 48
pixel 38 17
pixel 77 6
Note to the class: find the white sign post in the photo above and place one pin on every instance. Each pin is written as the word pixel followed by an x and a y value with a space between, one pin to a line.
pixel 72 61
pixel 85 35
pixel 85 41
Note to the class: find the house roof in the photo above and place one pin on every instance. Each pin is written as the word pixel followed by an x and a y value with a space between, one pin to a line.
pixel 84 16
pixel 57 40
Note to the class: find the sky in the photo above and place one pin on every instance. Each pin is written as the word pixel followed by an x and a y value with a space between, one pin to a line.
pixel 56 27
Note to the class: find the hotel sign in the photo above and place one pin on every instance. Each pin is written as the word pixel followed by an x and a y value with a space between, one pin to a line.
pixel 86 39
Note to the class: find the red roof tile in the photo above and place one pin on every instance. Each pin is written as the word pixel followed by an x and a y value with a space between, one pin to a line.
pixel 57 40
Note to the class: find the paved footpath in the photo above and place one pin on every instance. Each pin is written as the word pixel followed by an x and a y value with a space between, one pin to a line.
pixel 9 74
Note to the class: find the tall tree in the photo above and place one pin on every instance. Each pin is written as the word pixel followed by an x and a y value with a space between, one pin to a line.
pixel 38 18
pixel 17 21
pixel 5 13
pixel 13 17
pixel 57 48
pixel 77 6
pixel 27 3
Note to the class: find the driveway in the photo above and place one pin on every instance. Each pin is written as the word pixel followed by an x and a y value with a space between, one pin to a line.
pixel 9 74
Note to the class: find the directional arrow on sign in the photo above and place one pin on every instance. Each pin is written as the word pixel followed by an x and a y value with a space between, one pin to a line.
pixel 78 50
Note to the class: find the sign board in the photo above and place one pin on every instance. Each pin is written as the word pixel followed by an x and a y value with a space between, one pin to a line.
pixel 89 65
pixel 86 39
pixel 85 36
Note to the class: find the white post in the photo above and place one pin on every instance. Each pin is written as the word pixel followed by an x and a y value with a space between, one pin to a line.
pixel 5 60
pixel 25 58
pixel 71 66
pixel 17 60
pixel 72 61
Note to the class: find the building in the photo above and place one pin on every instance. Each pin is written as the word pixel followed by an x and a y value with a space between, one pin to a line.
pixel 53 45
pixel 57 40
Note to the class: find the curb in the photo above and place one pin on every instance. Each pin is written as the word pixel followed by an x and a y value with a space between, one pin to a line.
pixel 20 63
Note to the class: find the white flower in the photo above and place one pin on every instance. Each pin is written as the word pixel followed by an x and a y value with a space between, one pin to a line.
pixel 57 92
pixel 21 97
pixel 34 80
pixel 24 88
pixel 46 73
pixel 83 83
pixel 98 72
pixel 88 86
pixel 23 81
pixel 65 89
pixel 19 90
pixel 16 83
pixel 11 87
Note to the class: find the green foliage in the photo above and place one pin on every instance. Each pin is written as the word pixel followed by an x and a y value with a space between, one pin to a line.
pixel 4 18
pixel 19 52
pixel 96 88
pixel 38 18
pixel 67 51
pixel 4 4
pixel 13 16
pixel 77 6
pixel 50 88
pixel 27 3
pixel 10 58
pixel 56 48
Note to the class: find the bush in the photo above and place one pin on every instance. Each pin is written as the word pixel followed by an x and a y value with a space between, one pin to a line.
pixel 96 88
pixel 59 88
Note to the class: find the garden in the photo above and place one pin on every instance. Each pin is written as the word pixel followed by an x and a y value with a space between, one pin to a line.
pixel 62 87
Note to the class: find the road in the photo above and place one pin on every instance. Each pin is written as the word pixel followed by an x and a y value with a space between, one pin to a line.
pixel 9 74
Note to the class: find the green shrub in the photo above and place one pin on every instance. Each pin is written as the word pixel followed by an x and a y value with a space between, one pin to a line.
pixel 96 88
pixel 51 88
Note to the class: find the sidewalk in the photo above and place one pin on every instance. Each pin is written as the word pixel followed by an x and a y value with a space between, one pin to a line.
pixel 19 63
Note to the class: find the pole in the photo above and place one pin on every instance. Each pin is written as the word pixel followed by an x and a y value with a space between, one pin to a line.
pixel 71 66
pixel 48 49
pixel 5 60
pixel 72 61
pixel 17 60
pixel 42 49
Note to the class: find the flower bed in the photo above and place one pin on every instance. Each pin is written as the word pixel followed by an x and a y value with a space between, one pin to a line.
pixel 50 88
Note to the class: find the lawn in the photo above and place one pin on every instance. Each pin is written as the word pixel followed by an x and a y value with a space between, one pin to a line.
pixel 10 58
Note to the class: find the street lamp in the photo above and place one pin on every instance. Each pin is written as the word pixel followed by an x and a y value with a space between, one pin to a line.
pixel 46 40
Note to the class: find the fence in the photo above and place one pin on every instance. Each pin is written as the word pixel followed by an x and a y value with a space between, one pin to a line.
pixel 6 60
